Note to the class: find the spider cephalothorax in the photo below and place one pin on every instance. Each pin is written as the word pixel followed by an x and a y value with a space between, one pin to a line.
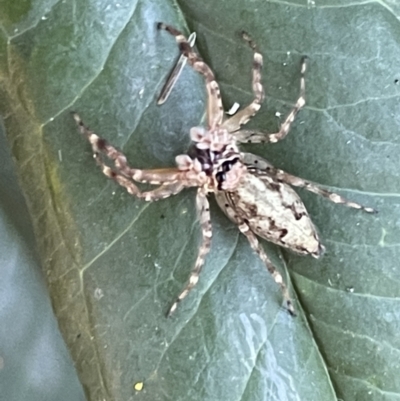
pixel 256 196
pixel 219 156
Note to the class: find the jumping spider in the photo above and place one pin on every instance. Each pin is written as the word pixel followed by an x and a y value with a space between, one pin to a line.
pixel 256 196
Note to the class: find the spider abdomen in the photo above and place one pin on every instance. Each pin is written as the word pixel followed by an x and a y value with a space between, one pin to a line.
pixel 273 211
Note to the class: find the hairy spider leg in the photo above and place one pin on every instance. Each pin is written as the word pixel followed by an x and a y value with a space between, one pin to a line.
pixel 175 73
pixel 152 176
pixel 203 209
pixel 255 245
pixel 263 165
pixel 252 136
pixel 243 116
pixel 162 192
pixel 215 112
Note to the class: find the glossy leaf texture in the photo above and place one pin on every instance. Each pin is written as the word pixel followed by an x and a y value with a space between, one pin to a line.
pixel 115 264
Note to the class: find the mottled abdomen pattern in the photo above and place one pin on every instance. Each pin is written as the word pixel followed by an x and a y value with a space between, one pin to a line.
pixel 273 211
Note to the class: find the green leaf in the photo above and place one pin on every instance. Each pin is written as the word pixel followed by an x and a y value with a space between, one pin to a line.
pixel 33 357
pixel 115 264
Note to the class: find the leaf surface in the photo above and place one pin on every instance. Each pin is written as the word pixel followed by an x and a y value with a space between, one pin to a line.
pixel 115 264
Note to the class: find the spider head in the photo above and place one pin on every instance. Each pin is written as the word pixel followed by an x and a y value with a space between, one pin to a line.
pixel 219 156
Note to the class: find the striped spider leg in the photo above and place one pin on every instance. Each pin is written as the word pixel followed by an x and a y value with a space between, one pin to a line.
pixel 242 117
pixel 215 113
pixel 175 73
pixel 171 181
pixel 266 168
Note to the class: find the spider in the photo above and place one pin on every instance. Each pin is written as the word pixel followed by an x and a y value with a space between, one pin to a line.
pixel 257 197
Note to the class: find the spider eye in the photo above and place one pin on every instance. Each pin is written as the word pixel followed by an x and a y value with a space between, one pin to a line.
pixel 220 177
pixel 228 165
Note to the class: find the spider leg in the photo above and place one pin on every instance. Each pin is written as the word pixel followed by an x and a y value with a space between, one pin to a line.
pixel 250 136
pixel 309 186
pixel 203 209
pixel 263 165
pixel 243 116
pixel 245 229
pixel 101 146
pixel 175 73
pixel 162 192
pixel 215 112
